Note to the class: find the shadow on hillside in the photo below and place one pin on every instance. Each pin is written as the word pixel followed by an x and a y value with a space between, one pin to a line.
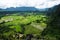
pixel 53 24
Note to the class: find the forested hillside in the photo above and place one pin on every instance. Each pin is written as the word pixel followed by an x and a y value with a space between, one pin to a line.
pixel 53 24
pixel 17 25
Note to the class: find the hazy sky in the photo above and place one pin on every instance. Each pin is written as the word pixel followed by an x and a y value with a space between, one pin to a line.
pixel 30 3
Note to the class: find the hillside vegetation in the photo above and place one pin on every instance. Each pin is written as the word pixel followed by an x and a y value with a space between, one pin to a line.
pixel 16 27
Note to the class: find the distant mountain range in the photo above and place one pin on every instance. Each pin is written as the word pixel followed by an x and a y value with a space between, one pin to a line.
pixel 23 9
pixel 29 9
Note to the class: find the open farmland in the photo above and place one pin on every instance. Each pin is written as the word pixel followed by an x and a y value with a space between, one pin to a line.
pixel 12 24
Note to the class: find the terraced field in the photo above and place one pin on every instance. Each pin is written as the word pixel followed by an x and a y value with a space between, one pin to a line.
pixel 30 24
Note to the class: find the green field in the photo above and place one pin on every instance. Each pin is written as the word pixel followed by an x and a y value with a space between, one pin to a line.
pixel 12 24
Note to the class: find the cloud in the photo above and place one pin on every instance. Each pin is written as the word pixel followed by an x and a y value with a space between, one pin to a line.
pixel 33 3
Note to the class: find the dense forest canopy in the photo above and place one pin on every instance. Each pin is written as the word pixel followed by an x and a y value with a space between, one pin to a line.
pixel 53 24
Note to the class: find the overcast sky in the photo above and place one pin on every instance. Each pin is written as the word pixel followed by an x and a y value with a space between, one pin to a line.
pixel 30 3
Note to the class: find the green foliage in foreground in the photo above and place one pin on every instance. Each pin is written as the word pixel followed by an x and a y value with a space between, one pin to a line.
pixel 10 25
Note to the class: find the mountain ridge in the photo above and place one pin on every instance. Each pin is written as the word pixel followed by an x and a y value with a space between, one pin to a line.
pixel 22 9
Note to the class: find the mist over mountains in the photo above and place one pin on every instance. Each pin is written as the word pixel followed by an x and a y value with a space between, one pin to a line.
pixel 29 9
pixel 23 9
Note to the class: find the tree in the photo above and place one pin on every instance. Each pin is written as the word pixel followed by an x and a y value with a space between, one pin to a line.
pixel 53 24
